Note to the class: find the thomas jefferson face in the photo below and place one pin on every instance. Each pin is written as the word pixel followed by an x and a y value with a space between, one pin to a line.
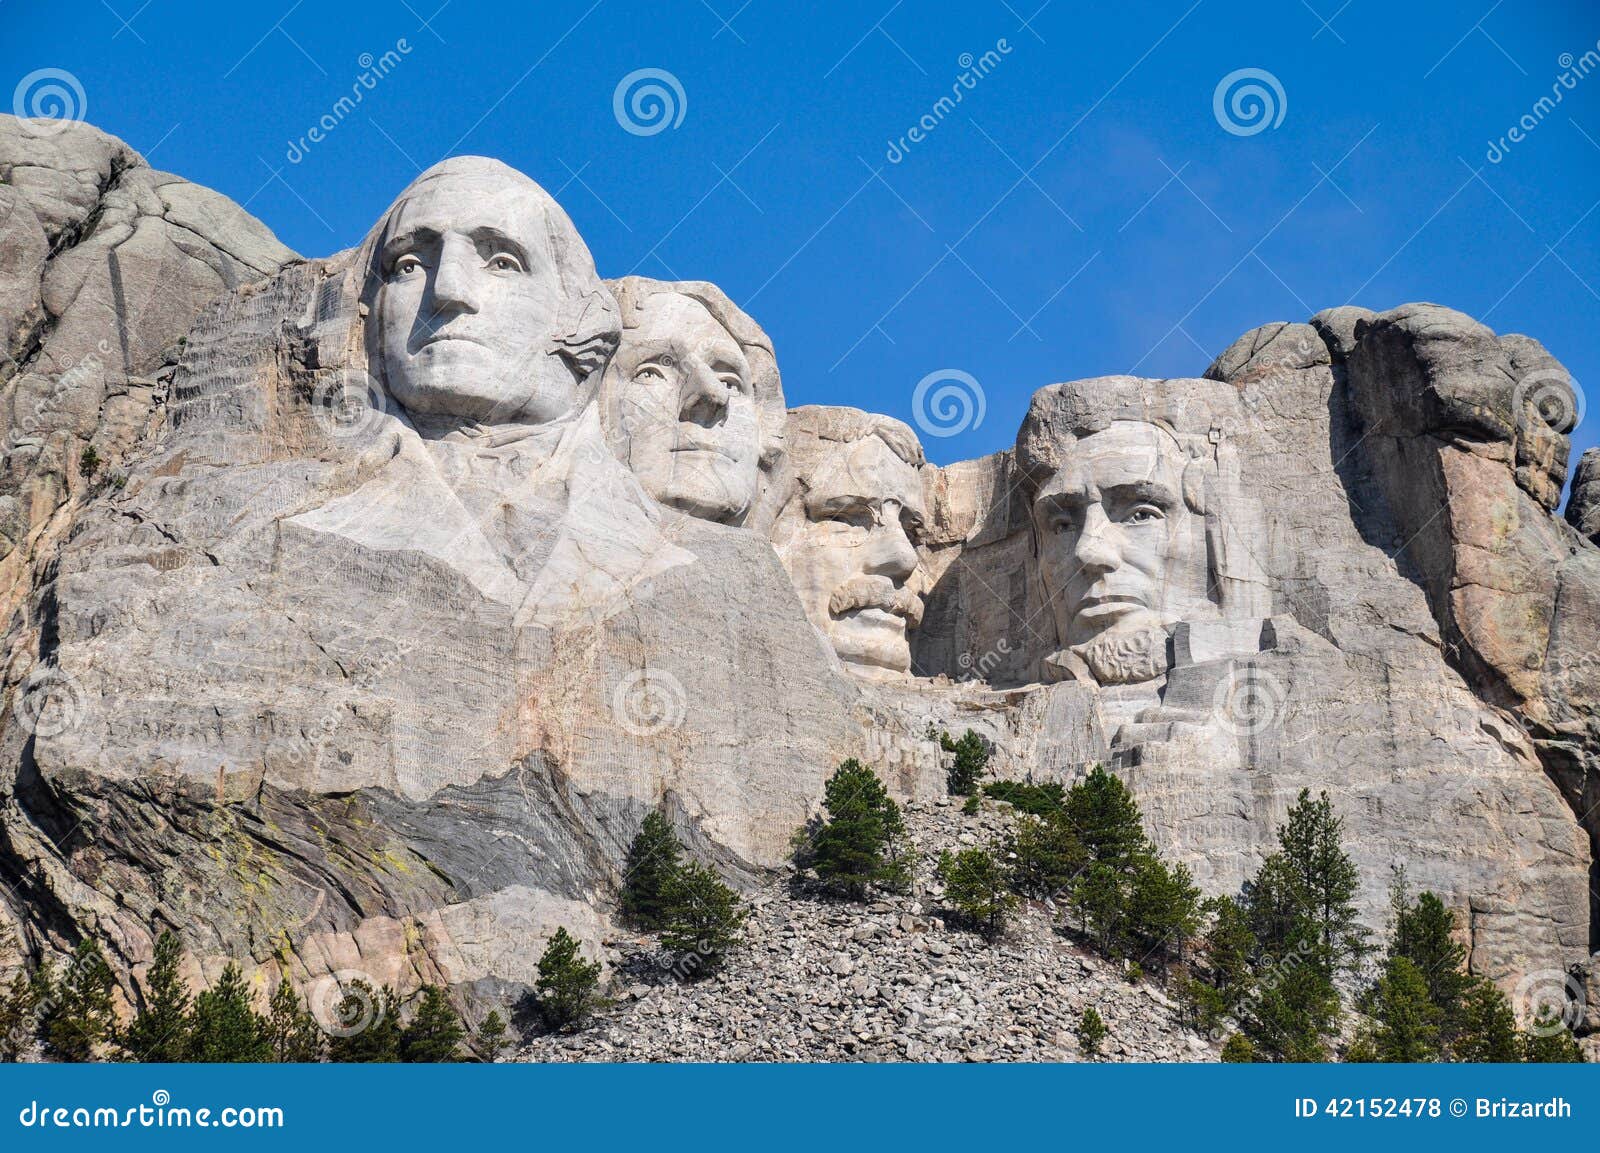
pixel 1118 545
pixel 687 410
pixel 471 299
pixel 852 556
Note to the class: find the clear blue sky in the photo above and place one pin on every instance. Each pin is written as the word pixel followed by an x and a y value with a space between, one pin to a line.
pixel 1081 212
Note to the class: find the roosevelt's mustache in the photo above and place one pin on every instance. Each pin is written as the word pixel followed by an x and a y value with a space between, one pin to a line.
pixel 876 592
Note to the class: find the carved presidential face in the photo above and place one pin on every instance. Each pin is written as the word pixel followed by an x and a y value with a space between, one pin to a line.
pixel 854 552
pixel 471 301
pixel 1119 550
pixel 686 409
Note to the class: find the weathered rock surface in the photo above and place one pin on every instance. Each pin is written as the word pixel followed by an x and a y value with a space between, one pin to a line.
pixel 427 569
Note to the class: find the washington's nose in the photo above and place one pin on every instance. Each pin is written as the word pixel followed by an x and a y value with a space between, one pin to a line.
pixel 454 289
pixel 891 552
pixel 703 398
pixel 1094 551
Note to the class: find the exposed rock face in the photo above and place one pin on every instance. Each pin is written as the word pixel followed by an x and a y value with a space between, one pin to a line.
pixel 441 561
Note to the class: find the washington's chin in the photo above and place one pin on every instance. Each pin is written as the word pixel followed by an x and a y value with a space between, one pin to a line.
pixel 872 643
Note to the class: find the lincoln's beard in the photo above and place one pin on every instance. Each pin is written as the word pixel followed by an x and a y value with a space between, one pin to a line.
pixel 1126 656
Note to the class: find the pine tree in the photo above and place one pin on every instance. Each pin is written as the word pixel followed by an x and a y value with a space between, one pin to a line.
pixel 491 1037
pixel 861 844
pixel 1487 1027
pixel 1091 1032
pixel 567 986
pixel 1099 896
pixel 1106 818
pixel 703 920
pixel 1163 910
pixel 1238 1050
pixel 971 762
pixel 434 1033
pixel 1407 1021
pixel 652 858
pixel 1424 934
pixel 80 1014
pixel 368 1022
pixel 160 1030
pixel 293 1034
pixel 18 1016
pixel 1291 1012
pixel 1045 855
pixel 224 1027
pixel 1548 1041
pixel 976 885
pixel 1316 884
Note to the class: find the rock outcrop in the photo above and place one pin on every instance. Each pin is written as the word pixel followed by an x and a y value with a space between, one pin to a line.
pixel 411 578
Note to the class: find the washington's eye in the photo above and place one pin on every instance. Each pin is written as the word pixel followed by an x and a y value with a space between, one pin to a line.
pixel 504 262
pixel 1144 514
pixel 407 265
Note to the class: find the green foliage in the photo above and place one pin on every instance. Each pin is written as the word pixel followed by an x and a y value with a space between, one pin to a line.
pixel 971 762
pixel 703 920
pixel 652 859
pixel 1305 892
pixel 861 844
pixel 1407 1021
pixel 978 888
pixel 568 985
pixel 1424 934
pixel 293 1034
pixel 1486 1028
pixel 18 1015
pixel 1106 819
pixel 1291 1012
pixel 1039 800
pixel 367 1025
pixel 491 1037
pixel 1134 973
pixel 224 1027
pixel 79 1015
pixel 1045 854
pixel 1091 1032
pixel 1163 909
pixel 160 1030
pixel 1238 1050
pixel 1548 1041
pixel 972 805
pixel 88 460
pixel 434 1033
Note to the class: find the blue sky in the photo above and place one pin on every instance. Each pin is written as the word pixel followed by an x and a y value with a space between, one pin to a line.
pixel 1082 211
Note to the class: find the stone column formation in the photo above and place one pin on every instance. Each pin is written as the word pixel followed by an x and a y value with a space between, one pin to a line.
pixel 401 584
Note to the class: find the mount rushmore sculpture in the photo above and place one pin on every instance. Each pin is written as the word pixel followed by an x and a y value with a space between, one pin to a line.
pixel 410 579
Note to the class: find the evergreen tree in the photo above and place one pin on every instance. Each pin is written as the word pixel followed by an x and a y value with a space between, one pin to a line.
pixel 1291 1012
pixel 18 1016
pixel 1407 1021
pixel 293 1034
pixel 1221 976
pixel 434 1033
pixel 491 1037
pixel 703 919
pixel 1045 855
pixel 224 1027
pixel 1098 896
pixel 1163 910
pixel 652 858
pixel 971 762
pixel 1238 1050
pixel 1091 1032
pixel 567 984
pixel 1487 1028
pixel 1311 884
pixel 861 844
pixel 1424 934
pixel 1548 1041
pixel 1106 819
pixel 368 1023
pixel 160 1030
pixel 976 885
pixel 79 1012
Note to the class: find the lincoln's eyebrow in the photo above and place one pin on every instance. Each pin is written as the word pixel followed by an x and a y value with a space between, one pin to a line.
pixel 1151 490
